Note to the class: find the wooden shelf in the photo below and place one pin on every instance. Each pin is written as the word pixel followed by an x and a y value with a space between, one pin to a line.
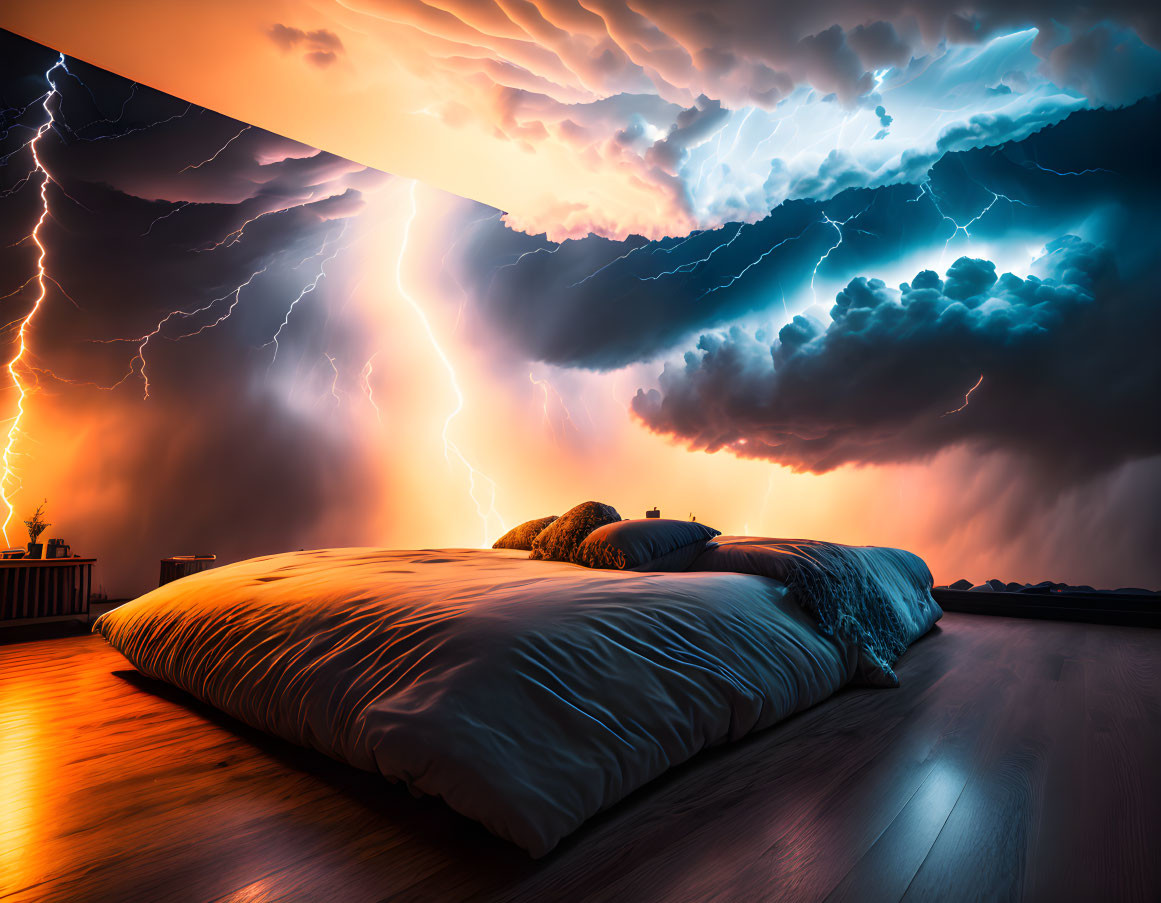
pixel 35 589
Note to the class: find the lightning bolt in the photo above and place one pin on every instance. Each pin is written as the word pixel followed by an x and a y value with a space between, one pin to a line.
pixel 232 238
pixel 137 363
pixel 692 265
pixel 610 263
pixel 365 379
pixel 692 235
pixel 925 189
pixel 450 449
pixel 24 369
pixel 14 364
pixel 335 381
pixel 549 391
pixel 838 227
pixel 1032 164
pixel 966 399
pixel 216 153
pixel 181 205
pixel 753 263
pixel 306 290
pixel 556 247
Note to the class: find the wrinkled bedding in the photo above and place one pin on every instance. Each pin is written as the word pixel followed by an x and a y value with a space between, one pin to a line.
pixel 529 695
pixel 876 599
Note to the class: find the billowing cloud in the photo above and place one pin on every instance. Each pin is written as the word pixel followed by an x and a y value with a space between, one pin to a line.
pixel 602 304
pixel 319 47
pixel 757 109
pixel 654 118
pixel 1058 366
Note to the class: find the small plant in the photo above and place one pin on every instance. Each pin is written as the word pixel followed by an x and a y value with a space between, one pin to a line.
pixel 37 524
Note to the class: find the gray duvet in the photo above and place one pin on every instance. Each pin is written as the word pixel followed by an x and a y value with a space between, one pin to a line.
pixel 529 695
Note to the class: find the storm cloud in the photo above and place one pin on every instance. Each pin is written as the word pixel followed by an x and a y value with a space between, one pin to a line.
pixel 1062 366
pixel 749 108
pixel 204 262
pixel 600 304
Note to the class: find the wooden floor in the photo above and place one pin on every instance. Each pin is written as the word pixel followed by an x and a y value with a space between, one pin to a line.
pixel 1020 759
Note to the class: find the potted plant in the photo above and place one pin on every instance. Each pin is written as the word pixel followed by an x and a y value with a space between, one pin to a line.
pixel 36 525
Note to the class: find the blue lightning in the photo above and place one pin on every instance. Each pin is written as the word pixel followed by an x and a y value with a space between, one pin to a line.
pixel 610 263
pixel 306 290
pixel 1032 164
pixel 837 225
pixel 926 190
pixel 692 235
pixel 756 261
pixel 556 247
pixel 692 265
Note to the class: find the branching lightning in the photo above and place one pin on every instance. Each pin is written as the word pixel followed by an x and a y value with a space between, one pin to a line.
pixel 628 253
pixel 138 363
pixel 485 509
pixel 233 237
pixel 306 290
pixel 16 362
pixel 692 265
pixel 925 189
pixel 838 227
pixel 753 263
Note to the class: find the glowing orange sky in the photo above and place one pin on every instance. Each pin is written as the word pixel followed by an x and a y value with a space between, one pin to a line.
pixel 372 105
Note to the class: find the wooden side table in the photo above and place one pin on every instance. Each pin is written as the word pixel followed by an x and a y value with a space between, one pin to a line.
pixel 45 589
pixel 183 565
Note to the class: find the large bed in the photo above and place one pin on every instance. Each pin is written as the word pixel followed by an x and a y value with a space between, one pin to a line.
pixel 529 695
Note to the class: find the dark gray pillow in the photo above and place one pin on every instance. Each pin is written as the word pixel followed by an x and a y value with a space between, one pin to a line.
pixel 651 544
pixel 521 537
pixel 560 539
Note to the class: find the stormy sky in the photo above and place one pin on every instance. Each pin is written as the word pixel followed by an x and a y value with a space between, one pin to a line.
pixel 248 344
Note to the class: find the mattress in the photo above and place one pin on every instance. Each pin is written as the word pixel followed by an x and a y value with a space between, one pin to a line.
pixel 529 695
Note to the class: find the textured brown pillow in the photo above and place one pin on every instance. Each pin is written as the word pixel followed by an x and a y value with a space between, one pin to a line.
pixel 560 539
pixel 521 537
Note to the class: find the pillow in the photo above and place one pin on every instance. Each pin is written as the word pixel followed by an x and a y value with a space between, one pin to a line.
pixel 560 539
pixel 521 537
pixel 650 544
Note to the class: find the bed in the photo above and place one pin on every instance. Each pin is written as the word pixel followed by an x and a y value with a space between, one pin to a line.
pixel 529 695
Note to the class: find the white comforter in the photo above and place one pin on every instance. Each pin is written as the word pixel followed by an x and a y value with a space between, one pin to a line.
pixel 529 695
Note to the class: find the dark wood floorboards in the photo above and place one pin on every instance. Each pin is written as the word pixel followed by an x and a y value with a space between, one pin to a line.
pixel 1019 760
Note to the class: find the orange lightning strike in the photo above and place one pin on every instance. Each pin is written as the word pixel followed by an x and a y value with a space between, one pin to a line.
pixel 449 447
pixel 966 399
pixel 42 278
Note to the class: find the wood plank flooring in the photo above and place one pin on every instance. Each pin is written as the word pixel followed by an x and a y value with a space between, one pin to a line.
pixel 1019 760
